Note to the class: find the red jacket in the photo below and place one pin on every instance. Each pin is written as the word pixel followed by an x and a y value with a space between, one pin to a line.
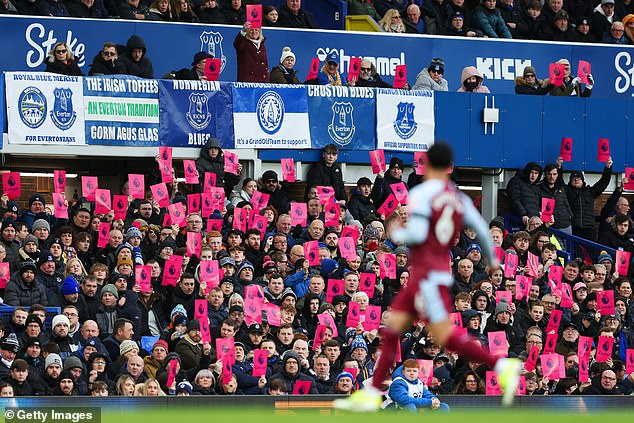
pixel 253 65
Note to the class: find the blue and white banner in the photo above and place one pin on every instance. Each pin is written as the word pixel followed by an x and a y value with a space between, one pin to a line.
pixel 344 116
pixel 405 119
pixel 121 110
pixel 45 108
pixel 194 111
pixel 270 116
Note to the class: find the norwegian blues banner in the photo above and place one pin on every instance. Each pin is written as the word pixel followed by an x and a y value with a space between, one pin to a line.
pixel 121 110
pixel 44 108
pixel 270 116
pixel 191 112
pixel 344 116
pixel 405 119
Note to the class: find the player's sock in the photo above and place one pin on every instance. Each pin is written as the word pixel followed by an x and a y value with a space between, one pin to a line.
pixel 389 346
pixel 469 348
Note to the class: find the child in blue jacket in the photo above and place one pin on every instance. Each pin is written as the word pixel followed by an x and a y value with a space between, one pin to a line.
pixel 409 392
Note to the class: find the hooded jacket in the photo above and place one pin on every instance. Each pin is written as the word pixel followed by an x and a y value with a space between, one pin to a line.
pixel 467 73
pixel 424 81
pixel 206 163
pixel 408 395
pixel 540 88
pixel 581 200
pixel 290 379
pixel 143 68
pixel 523 195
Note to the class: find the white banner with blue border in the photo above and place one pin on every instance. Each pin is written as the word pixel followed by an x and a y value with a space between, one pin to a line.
pixel 405 120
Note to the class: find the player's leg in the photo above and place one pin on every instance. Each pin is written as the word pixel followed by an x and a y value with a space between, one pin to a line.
pixel 390 338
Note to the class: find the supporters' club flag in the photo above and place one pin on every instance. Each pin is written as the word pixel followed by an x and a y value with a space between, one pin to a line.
pixel 550 363
pixel 555 274
pixel 136 185
pixel 143 278
pixel 504 294
pixel 565 150
pixel 622 262
pixel 523 288
pixel 191 175
pixel 193 203
pixel 11 185
pixel 605 301
pixel 288 170
pixel 629 179
pixel 554 321
pixel 240 217
pixel 252 311
pixel 350 231
pixel 603 150
pixel 59 181
pixel 551 343
pixel 604 349
pixel 346 247
pixel 583 70
pixel 425 370
pixel 104 234
pixel 272 314
pixel 367 282
pixel 259 200
pixel 5 274
pixel 372 318
pixel 172 270
pixel 629 360
pixel 212 69
pixel 314 69
pixel 456 319
pixel 400 192
pixel 254 15
pixel 89 185
pixel 491 384
pixel 533 264
pixel 120 206
pixel 302 387
pixel 61 209
pixel 400 78
pixel 311 252
pixel 510 265
pixel 556 75
pixel 521 386
pixel 325 194
pixel 259 222
pixel 217 198
pixel 531 360
pixel 584 346
pixel 209 182
pixel 260 360
pixel 354 315
pixel 387 264
pixel 420 162
pixel 335 287
pixel 171 375
pixel 320 333
pixel 584 363
pixel 548 207
pixel 377 159
pixel 388 206
pixel 299 214
pixel 177 214
pixel 332 212
pixel 354 68
pixel 232 163
pixel 160 194
pixel 214 225
pixel 194 244
pixel 498 345
pixel 103 203
pixel 210 274
pixel 327 320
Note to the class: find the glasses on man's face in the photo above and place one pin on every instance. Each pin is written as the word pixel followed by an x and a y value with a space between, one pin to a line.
pixel 272 181
pixel 108 53
pixel 60 51
pixel 529 75
pixel 365 69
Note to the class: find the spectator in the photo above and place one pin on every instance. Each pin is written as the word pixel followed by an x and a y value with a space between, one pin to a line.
pixel 291 15
pixel 582 31
pixel 414 23
pixel 615 35
pixel 131 9
pixel 52 8
pixel 328 173
pixel 530 85
pixel 602 19
pixel 435 17
pixel 212 159
pixel 253 64
pixel 270 16
pixel 559 29
pixel 571 86
pixel 553 187
pixel 383 181
pixel 392 22
pixel 368 76
pixel 234 13
pixel 107 62
pixel 7 8
pixel 472 79
pixel 160 10
pixel 431 78
pixel 628 21
pixel 523 192
pixel 455 27
pixel 61 60
pixel 453 7
pixel 534 21
pixel 276 190
pixel 382 6
pixel 329 73
pixel 284 72
pixel 182 11
pixel 135 59
pixel 94 9
pixel 488 18
pixel 408 392
pixel 512 16
pixel 211 12
pixel 362 7
pixel 197 71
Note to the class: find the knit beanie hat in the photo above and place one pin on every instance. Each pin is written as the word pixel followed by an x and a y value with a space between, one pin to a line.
pixel 286 52
pixel 70 286
pixel 127 345
pixel 358 342
pixel 40 223
pixel 52 359
pixel 60 319
pixel 502 306
pixel 111 289
pixel 370 232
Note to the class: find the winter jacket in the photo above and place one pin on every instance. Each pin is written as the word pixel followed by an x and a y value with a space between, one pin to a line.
pixel 192 354
pixel 581 200
pixel 68 67
pixel 290 379
pixel 552 33
pixel 567 89
pixel 362 7
pixel 322 175
pixel 562 212
pixel 206 163
pixel 143 68
pixel 214 15
pixel 253 64
pixel 101 66
pixel 303 19
pixel 78 9
pixel 281 75
pixel 381 189
pixel 409 395
pixel 359 206
pixel 599 23
pixel 612 239
pixel 468 72
pixel 491 23
pixel 55 8
pixel 279 198
pixel 524 197
pixel 18 293
pixel 521 87
pixel 595 388
pixel 425 82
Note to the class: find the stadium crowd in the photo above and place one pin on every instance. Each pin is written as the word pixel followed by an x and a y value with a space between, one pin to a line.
pixel 300 288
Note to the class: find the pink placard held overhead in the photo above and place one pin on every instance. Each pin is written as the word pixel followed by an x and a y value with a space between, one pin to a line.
pixel 254 292
pixel 556 74
pixel 367 281
pixel 584 347
pixel 5 274
pixel 311 252
pixel 510 265
pixel 254 15
pixel 252 311
pixel 217 198
pixel 583 70
pixel 532 262
pixel 200 313
pixel 603 150
pixel 136 185
pixel 103 201
pixel 232 163
pixel 11 185
pixel 212 70
pixel 554 321
pixel 425 370
pixel 314 69
pixel 194 244
pixel 550 343
pixel 622 262
pixel 335 287
pixel 240 217
pixel 143 278
pixel 299 214
pixel 89 185
pixel 259 222
pixel 320 333
pixel 210 273
pixel 372 317
pixel 498 345
pixel 566 296
pixel 354 315
pixel 104 234
pixel 354 68
pixel 59 180
pixel 172 271
pixel 565 150
pixel 629 179
pixel 259 200
pixel 209 182
pixel 420 162
pixel 377 159
pixel 166 172
pixel 605 302
pixel 387 264
pixel 584 364
pixel 400 78
pixel 260 360
pixel 555 273
pixel 61 209
pixel 550 362
pixel 523 288
pixel 165 154
pixel 120 206
pixel 193 203
pixel 389 205
pixel 288 170
pixel 400 192
pixel 191 175
pixel 347 248
pixel 160 194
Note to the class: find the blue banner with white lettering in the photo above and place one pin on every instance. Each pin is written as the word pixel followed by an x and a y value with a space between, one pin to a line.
pixel 3 108
pixel 121 110
pixel 344 116
pixel 191 112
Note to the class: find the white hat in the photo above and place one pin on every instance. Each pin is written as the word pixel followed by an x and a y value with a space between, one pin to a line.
pixel 286 52
pixel 60 318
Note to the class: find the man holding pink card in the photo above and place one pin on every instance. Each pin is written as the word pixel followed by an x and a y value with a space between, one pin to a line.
pixel 327 173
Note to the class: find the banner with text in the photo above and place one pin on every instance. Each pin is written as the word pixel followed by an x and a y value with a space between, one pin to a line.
pixel 194 111
pixel 121 110
pixel 344 116
pixel 44 108
pixel 405 119
pixel 270 116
